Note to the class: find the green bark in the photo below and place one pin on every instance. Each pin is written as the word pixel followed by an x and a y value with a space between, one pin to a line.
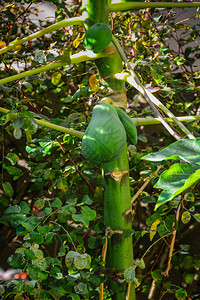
pixel 116 202
pixel 117 198
pixel 97 11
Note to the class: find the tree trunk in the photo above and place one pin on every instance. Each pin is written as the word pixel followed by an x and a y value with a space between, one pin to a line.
pixel 117 198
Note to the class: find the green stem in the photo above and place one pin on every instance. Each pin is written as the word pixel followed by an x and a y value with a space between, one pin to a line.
pixel 137 121
pixel 75 58
pixel 52 126
pixel 116 202
pixel 54 27
pixel 156 121
pixel 124 6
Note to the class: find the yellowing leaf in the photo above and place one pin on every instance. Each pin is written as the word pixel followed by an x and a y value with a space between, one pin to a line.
pixel 93 82
pixel 153 229
pixel 55 79
pixel 2 44
pixel 78 40
pixel 17 48
pixel 186 216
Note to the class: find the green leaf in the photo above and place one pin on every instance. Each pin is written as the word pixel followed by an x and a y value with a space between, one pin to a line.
pixel 90 213
pixel 28 87
pixel 25 208
pixel 69 258
pixel 13 170
pixel 185 247
pixel 181 294
pixel 157 275
pixel 185 149
pixel 74 296
pixel 28 225
pixel 18 123
pixel 57 292
pixel 197 217
pixel 81 288
pixel 56 203
pixel 129 274
pixel 175 180
pixel 81 218
pixel 30 255
pixel 7 187
pixel 82 261
pixel 140 263
pixel 189 278
pixel 36 237
pixel 43 229
pixel 13 158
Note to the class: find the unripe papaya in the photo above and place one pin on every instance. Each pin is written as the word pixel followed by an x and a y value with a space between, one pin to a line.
pixel 97 37
pixel 129 125
pixel 105 137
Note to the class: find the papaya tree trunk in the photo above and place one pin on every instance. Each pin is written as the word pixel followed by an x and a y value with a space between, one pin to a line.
pixel 117 199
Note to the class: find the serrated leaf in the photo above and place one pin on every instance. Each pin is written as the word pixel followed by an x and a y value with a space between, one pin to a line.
pixel 7 187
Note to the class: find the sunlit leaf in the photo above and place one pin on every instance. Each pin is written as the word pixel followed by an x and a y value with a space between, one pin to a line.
pixel 93 82
pixel 78 40
pixel 56 76
pixel 185 217
pixel 153 229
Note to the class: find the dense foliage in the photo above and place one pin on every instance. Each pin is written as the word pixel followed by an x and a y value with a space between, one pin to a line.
pixel 51 197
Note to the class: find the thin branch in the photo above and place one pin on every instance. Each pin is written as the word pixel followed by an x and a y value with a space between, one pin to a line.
pixel 131 80
pixel 171 249
pixel 79 134
pixel 156 121
pixel 124 6
pixel 104 252
pixel 73 59
pixel 54 27
pixel 134 81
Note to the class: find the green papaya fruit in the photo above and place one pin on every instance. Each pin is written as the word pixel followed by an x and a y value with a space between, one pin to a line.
pixel 97 37
pixel 105 137
pixel 129 125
